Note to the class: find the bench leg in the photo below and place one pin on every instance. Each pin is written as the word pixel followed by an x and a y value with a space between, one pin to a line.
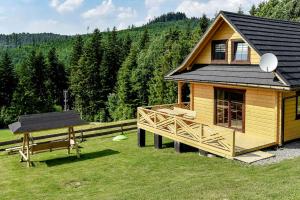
pixel 157 141
pixel 141 136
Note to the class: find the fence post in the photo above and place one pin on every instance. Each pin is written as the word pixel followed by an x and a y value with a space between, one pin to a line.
pixel 233 144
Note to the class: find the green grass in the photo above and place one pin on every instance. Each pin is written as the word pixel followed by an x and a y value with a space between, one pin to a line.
pixel 121 170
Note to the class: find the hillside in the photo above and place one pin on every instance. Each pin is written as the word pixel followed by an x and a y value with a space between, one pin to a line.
pixel 19 45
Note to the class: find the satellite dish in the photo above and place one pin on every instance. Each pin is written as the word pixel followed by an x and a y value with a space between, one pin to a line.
pixel 268 62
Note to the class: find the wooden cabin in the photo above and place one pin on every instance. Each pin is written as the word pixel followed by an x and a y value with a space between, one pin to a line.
pixel 234 106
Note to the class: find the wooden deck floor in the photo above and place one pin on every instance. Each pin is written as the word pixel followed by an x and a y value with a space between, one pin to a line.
pixel 245 143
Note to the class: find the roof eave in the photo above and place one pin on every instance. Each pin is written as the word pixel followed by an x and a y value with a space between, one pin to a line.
pixel 234 83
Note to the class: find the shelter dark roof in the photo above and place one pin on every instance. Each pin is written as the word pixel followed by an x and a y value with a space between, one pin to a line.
pixel 242 74
pixel 46 121
pixel 279 37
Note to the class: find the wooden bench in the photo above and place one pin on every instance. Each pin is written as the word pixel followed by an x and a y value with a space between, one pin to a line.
pixel 49 146
pixel 190 114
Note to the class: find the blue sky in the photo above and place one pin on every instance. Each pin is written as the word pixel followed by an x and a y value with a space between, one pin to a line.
pixel 74 16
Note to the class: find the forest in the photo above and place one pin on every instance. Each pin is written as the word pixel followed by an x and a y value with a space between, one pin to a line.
pixel 108 74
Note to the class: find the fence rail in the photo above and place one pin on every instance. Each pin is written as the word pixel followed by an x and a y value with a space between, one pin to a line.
pixel 125 126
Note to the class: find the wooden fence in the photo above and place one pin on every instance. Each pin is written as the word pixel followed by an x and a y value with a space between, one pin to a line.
pixel 84 133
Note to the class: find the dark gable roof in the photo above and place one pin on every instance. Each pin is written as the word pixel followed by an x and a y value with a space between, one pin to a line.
pixel 46 121
pixel 279 37
pixel 235 74
pixel 266 36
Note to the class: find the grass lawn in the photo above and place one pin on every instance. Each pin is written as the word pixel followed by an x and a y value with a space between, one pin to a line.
pixel 120 170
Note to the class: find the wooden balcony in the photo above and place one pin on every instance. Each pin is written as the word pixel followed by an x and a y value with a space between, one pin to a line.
pixel 171 122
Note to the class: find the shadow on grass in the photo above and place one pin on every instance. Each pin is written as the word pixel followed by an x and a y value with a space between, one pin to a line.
pixel 83 157
pixel 168 145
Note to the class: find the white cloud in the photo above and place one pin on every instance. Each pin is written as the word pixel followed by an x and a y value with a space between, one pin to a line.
pixel 63 6
pixel 154 8
pixel 50 25
pixel 108 14
pixel 195 8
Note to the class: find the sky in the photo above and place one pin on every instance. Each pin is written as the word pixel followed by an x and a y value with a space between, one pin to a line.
pixel 81 16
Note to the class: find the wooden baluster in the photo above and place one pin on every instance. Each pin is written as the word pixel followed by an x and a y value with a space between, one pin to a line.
pixel 233 144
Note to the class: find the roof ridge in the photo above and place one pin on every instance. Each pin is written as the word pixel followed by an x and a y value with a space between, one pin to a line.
pixel 262 18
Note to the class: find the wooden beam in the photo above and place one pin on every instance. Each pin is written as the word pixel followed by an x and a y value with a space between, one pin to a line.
pixel 192 96
pixel 179 98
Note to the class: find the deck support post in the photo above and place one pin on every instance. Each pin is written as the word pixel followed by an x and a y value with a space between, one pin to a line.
pixel 157 141
pixel 202 152
pixel 141 137
pixel 178 146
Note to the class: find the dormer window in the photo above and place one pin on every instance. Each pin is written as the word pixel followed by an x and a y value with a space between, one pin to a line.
pixel 240 51
pixel 219 48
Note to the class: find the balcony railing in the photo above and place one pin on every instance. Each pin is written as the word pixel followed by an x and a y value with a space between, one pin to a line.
pixel 220 141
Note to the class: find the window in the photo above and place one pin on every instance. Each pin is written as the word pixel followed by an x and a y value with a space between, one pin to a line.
pixel 298 105
pixel 229 108
pixel 240 51
pixel 219 50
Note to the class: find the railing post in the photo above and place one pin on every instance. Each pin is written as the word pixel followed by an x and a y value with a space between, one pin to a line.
pixel 175 124
pixel 233 144
pixel 202 131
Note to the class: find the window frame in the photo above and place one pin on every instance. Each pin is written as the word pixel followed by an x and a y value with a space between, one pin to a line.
pixel 241 91
pixel 233 61
pixel 296 108
pixel 219 61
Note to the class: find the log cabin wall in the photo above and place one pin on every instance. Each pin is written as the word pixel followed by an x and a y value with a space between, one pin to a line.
pixel 261 108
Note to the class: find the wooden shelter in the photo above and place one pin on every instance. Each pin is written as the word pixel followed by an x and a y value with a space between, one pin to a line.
pixel 234 107
pixel 30 124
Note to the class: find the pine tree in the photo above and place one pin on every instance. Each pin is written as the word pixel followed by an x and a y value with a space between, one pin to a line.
pixel 85 78
pixel 57 78
pixel 252 10
pixel 7 79
pixel 144 41
pixel 204 23
pixel 126 45
pixel 31 94
pixel 77 50
pixel 123 97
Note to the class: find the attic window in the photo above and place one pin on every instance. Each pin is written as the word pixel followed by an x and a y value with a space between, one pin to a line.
pixel 219 50
pixel 240 51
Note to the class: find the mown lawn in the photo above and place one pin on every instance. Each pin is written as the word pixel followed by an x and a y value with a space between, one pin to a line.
pixel 120 170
